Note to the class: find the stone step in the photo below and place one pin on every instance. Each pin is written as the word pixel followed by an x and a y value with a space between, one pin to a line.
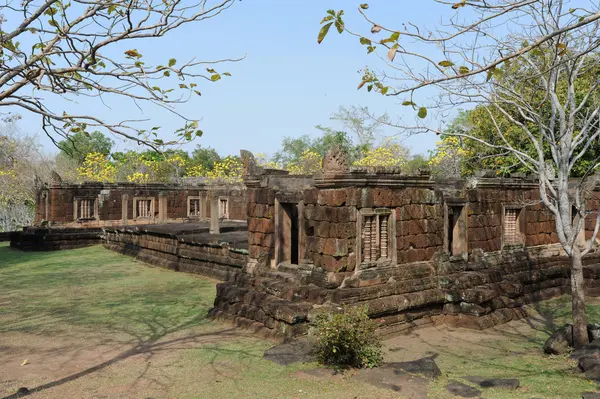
pixel 291 278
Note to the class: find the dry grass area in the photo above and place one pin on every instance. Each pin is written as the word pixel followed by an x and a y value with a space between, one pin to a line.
pixel 95 324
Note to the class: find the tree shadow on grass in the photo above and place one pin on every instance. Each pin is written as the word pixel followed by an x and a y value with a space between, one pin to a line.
pixel 52 293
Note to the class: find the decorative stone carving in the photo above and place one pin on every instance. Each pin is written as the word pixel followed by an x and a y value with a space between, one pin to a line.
pixel 249 163
pixel 335 161
pixel 56 179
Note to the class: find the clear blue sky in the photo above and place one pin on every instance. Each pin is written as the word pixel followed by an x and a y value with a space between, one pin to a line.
pixel 287 83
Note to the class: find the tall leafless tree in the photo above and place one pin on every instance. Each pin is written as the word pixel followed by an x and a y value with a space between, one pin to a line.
pixel 86 48
pixel 526 61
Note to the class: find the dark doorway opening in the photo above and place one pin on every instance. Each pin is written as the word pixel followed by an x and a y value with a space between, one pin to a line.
pixel 289 233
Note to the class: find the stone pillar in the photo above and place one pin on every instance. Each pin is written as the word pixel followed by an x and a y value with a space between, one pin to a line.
pixel 124 201
pixel 214 215
pixel 202 204
pixel 162 208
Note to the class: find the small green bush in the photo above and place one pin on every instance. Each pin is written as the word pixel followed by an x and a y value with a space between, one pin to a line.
pixel 347 339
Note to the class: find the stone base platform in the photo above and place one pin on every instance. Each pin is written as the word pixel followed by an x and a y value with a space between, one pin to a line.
pixel 53 239
pixel 185 247
pixel 479 294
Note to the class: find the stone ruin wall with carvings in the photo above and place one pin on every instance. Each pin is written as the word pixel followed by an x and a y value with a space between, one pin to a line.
pixel 415 251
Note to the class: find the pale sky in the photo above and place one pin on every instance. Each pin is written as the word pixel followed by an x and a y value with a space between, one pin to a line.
pixel 286 84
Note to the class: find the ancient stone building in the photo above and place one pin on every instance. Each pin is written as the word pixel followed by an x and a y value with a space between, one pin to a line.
pixel 413 250
pixel 75 215
pixel 110 204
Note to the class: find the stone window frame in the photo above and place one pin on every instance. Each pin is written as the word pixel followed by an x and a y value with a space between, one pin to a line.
pixel 77 207
pixel 392 253
pixel 226 215
pixel 189 206
pixel 519 220
pixel 458 240
pixel 135 207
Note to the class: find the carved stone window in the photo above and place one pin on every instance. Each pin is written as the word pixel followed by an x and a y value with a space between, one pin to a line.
pixel 143 208
pixel 223 208
pixel 512 234
pixel 85 208
pixel 194 207
pixel 376 233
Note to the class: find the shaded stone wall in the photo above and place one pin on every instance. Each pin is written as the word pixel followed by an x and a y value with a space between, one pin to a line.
pixel 261 224
pixel 186 248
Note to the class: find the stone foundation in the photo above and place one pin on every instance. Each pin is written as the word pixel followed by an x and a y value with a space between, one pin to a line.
pixel 185 247
pixel 475 294
pixel 53 239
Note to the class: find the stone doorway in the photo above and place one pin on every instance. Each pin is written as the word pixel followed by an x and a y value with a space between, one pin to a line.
pixel 287 233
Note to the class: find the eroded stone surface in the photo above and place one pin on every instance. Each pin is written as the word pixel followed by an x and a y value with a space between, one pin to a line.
pixel 463 390
pixel 296 351
pixel 560 341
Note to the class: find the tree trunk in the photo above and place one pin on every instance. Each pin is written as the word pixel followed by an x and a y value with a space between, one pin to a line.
pixel 580 334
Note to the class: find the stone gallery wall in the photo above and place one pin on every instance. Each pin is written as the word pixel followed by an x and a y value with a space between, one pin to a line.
pixel 114 203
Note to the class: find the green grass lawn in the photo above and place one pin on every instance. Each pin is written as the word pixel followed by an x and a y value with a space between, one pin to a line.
pixel 93 295
pixel 94 289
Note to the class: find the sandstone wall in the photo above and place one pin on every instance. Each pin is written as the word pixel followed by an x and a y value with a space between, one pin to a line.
pixel 60 201
pixel 220 256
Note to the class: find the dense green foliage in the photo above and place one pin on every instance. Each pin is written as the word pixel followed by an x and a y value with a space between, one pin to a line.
pixel 79 144
pixel 347 339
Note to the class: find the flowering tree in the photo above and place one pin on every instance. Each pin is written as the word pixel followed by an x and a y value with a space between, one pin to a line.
pixel 227 170
pixel 448 158
pixel 388 154
pixel 97 167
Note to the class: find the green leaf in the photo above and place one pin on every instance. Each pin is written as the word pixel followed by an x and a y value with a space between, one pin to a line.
pixel 50 11
pixel 133 53
pixel 497 73
pixel 364 6
pixel 215 77
pixel 365 41
pixel 209 70
pixel 226 74
pixel 323 32
pixel 445 63
pixel 406 103
pixel 331 12
pixel 172 62
pixel 370 49
pixel 422 112
pixel 197 92
pixel 384 90
pixel 395 36
pixel 183 86
pixel 327 18
pixel 155 88
pixel 339 25
pixel 463 70
pixel 167 73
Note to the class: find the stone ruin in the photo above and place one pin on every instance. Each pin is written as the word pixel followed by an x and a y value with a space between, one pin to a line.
pixel 414 250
